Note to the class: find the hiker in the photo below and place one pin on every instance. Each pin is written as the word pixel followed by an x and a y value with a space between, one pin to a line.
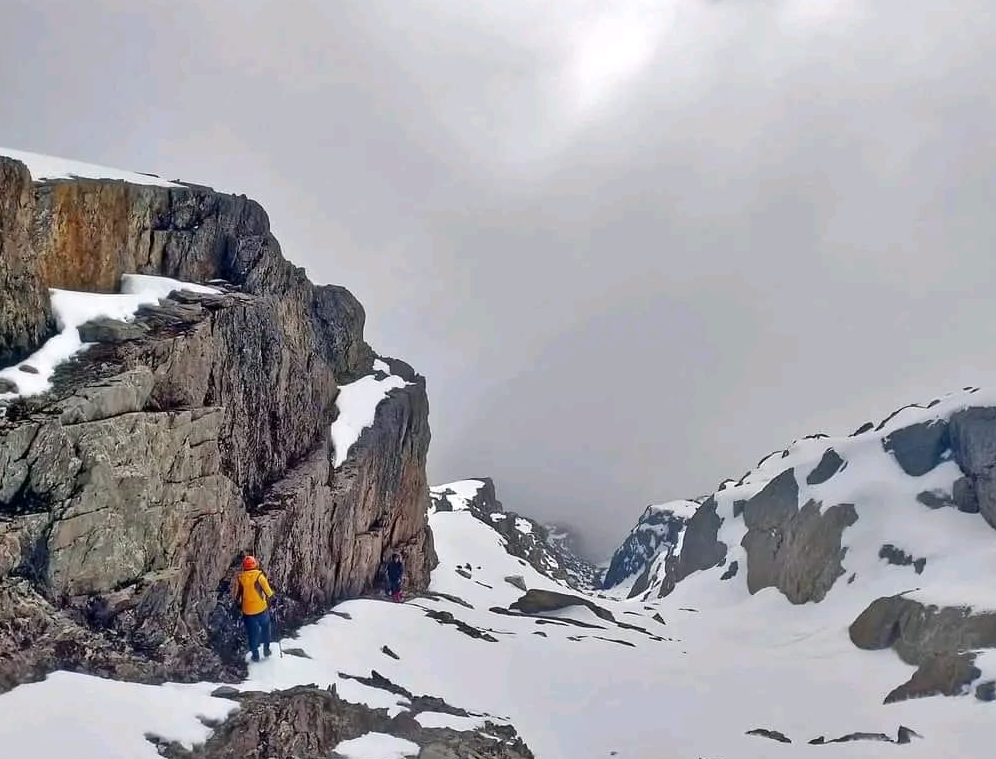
pixel 253 589
pixel 395 571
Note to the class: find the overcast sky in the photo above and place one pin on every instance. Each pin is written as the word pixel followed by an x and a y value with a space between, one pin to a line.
pixel 633 246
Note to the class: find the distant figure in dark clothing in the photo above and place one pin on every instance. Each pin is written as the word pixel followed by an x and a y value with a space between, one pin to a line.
pixel 395 573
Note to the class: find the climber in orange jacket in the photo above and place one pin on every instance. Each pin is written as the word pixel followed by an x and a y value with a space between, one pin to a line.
pixel 253 589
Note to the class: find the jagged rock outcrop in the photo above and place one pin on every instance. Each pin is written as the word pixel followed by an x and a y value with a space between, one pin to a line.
pixel 307 722
pixel 829 465
pixel 940 642
pixel 524 537
pixel 130 491
pixel 25 315
pixel 973 442
pixel 657 530
pixel 701 547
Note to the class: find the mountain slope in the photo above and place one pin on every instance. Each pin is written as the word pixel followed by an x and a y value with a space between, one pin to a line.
pixel 548 552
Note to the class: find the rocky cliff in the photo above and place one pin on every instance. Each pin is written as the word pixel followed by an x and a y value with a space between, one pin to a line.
pixel 184 438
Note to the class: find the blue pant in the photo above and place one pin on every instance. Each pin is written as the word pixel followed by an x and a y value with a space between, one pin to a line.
pixel 258 630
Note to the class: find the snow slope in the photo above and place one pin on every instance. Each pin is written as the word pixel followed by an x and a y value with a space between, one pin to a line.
pixel 72 310
pixel 47 167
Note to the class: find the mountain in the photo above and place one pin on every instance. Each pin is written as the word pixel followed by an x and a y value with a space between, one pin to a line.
pixel 175 393
pixel 658 530
pixel 547 552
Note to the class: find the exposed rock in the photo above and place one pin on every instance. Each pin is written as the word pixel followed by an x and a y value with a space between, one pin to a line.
pixel 701 548
pixel 27 369
pixel 657 530
pixel 105 330
pixel 445 618
pixel 938 641
pixel 973 442
pixel 964 497
pixel 226 691
pixel 130 492
pixel 308 723
pixel 866 427
pixel 829 465
pixel 517 581
pixel 772 734
pixel 920 447
pixel 731 571
pixel 900 558
pixel 25 312
pixel 6 386
pixel 388 652
pixel 797 551
pixel 986 691
pixel 903 735
pixel 537 601
pixel 300 653
pixel 935 499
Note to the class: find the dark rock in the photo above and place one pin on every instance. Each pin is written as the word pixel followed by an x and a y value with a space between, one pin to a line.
pixel 537 601
pixel 973 442
pixel 701 548
pixel 226 691
pixel 300 653
pixel 388 652
pixel 656 531
pixel 964 497
pixel 797 551
pixel 920 447
pixel 27 369
pixel 935 640
pixel 731 571
pixel 517 581
pixel 986 691
pixel 934 499
pixel 105 330
pixel 659 618
pixel 829 465
pixel 6 386
pixel 866 427
pixel 308 723
pixel 900 558
pixel 772 734
pixel 445 618
pixel 738 507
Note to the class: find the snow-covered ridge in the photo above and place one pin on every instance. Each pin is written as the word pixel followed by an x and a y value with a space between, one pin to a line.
pixel 47 167
pixel 72 310
pixel 658 532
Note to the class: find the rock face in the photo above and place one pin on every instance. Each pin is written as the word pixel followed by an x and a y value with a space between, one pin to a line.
pixel 973 441
pixel 198 433
pixel 919 447
pixel 829 465
pixel 25 316
pixel 795 550
pixel 940 642
pixel 701 548
pixel 657 530
pixel 308 723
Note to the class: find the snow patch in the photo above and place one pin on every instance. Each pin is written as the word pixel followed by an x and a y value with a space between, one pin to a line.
pixel 47 167
pixel 451 721
pixel 84 717
pixel 381 366
pixel 72 310
pixel 377 746
pixel 357 403
pixel 524 526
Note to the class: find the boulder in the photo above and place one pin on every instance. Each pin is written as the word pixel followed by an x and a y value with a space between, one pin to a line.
pixel 920 447
pixel 964 496
pixel 517 581
pixel 105 330
pixel 939 641
pixel 973 442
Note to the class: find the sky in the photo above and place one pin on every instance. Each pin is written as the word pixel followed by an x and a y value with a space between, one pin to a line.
pixel 633 246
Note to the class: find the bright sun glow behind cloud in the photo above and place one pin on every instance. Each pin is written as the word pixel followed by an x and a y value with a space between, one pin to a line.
pixel 613 48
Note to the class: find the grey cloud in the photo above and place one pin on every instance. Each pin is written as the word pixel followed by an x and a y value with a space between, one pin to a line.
pixel 781 223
